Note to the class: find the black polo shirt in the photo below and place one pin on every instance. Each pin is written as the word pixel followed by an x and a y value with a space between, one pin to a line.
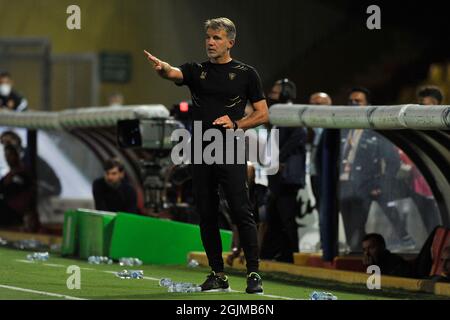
pixel 221 89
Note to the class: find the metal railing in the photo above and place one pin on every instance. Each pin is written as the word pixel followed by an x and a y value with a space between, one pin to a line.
pixel 408 116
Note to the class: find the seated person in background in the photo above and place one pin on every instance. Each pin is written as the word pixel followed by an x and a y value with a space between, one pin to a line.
pixel 375 253
pixel 15 190
pixel 112 192
pixel 445 259
pixel 10 137
pixel 430 96
pixel 9 98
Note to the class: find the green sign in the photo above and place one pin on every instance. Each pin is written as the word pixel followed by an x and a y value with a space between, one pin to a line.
pixel 115 67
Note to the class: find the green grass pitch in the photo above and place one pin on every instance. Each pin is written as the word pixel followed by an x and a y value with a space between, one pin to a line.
pixel 20 279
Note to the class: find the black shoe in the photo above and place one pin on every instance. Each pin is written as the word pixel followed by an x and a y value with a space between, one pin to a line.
pixel 215 283
pixel 254 283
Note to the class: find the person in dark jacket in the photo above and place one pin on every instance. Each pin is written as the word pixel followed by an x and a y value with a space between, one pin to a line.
pixel 112 192
pixel 375 253
pixel 281 239
pixel 9 98
pixel 369 164
pixel 15 190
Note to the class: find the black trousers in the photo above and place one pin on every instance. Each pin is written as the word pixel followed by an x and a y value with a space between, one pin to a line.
pixel 355 206
pixel 8 217
pixel 233 179
pixel 281 239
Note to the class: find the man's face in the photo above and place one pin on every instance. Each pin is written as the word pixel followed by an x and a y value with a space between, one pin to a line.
pixel 115 100
pixel 9 139
pixel 445 258
pixel 217 43
pixel 114 176
pixel 428 101
pixel 371 251
pixel 274 93
pixel 357 98
pixel 320 99
pixel 12 158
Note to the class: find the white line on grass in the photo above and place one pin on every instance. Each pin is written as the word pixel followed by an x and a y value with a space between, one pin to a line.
pixel 41 292
pixel 54 265
pixel 45 264
pixel 156 279
pixel 147 278
pixel 24 261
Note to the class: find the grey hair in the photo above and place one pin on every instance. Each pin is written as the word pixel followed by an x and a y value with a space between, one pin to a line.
pixel 222 23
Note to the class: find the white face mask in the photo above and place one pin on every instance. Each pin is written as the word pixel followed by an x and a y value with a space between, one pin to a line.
pixel 5 89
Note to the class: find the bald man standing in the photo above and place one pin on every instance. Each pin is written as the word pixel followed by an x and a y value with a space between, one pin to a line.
pixel 314 137
pixel 320 98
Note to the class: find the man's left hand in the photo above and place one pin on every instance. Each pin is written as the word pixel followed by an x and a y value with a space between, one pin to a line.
pixel 225 122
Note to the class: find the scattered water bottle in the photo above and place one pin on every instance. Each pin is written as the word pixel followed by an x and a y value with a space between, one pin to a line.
pixel 322 296
pixel 179 287
pixel 99 260
pixel 38 256
pixel 184 287
pixel 194 289
pixel 55 247
pixel 131 274
pixel 165 282
pixel 193 263
pixel 30 244
pixel 130 262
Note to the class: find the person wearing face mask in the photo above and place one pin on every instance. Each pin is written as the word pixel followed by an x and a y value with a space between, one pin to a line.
pixel 9 98
pixel 112 192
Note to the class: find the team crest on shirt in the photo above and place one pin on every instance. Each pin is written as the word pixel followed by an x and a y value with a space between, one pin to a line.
pixel 203 75
pixel 232 75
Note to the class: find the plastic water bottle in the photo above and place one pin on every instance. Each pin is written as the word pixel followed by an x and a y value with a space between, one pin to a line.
pixel 99 260
pixel 131 274
pixel 194 289
pixel 165 282
pixel 137 274
pixel 183 287
pixel 193 263
pixel 130 262
pixel 38 256
pixel 322 296
pixel 28 244
pixel 177 287
pixel 55 247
